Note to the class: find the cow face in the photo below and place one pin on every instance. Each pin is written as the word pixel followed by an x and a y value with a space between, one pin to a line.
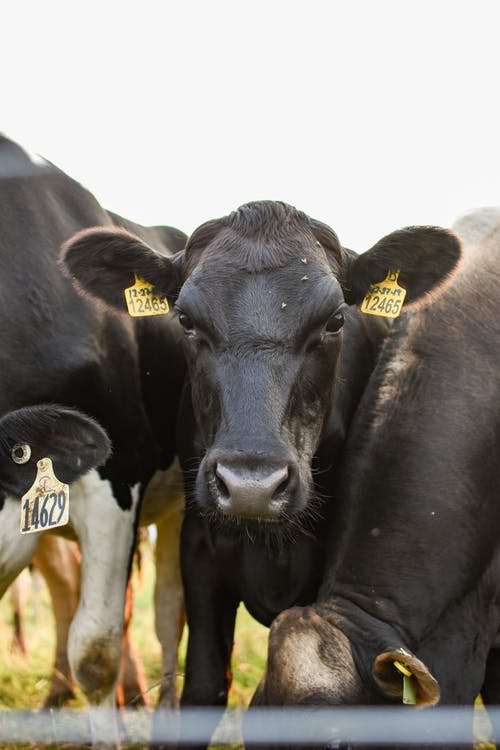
pixel 262 310
pixel 262 299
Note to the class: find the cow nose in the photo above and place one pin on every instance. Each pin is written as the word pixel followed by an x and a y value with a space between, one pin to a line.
pixel 251 493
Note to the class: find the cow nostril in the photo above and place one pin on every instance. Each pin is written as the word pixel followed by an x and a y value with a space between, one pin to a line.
pixel 283 483
pixel 221 485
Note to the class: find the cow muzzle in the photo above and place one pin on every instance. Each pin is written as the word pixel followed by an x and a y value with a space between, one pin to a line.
pixel 247 488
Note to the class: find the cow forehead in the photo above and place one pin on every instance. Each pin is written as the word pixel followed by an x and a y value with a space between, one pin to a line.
pixel 272 302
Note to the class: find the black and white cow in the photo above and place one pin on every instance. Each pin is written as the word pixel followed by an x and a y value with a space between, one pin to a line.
pixel 277 363
pixel 414 575
pixel 59 346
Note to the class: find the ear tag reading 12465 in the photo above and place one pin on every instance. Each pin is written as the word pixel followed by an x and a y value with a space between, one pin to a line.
pixel 141 301
pixel 46 504
pixel 385 298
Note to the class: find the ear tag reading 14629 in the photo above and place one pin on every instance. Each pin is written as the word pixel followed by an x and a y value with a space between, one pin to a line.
pixel 141 301
pixel 46 504
pixel 385 298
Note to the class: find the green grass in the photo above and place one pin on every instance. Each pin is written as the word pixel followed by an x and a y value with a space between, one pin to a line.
pixel 24 681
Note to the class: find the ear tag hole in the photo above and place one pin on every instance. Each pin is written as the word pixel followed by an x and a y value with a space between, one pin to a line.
pixel 21 453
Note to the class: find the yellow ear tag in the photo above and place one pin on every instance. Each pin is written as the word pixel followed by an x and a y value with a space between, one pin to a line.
pixel 409 696
pixel 46 504
pixel 385 298
pixel 141 301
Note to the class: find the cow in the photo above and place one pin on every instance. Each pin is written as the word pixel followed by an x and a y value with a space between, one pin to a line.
pixel 277 356
pixel 413 577
pixel 59 346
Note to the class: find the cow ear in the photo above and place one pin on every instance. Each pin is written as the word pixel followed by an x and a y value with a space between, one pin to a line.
pixel 104 261
pixel 425 256
pixel 390 678
pixel 74 442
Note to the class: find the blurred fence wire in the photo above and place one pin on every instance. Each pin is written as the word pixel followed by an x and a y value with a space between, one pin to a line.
pixel 387 726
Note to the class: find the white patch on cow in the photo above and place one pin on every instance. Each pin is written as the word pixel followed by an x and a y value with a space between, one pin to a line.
pixel 16 549
pixel 106 536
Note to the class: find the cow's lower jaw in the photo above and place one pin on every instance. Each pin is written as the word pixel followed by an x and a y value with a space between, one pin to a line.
pixel 251 489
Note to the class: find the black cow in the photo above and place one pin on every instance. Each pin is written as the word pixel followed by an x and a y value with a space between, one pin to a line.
pixel 277 362
pixel 60 347
pixel 414 576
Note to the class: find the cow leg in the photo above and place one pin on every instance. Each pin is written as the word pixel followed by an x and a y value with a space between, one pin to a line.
pixel 58 560
pixel 17 596
pixel 169 600
pixel 106 534
pixel 164 504
pixel 132 688
pixel 211 613
pixel 490 691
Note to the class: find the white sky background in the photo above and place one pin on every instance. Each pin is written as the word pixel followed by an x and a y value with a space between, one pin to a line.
pixel 367 114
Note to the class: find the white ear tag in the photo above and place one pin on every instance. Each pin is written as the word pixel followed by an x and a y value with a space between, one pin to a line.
pixel 46 504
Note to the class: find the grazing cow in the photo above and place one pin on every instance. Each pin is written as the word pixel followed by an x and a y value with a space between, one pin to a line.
pixel 414 575
pixel 277 363
pixel 59 346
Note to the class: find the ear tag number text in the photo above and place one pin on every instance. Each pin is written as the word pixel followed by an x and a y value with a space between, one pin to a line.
pixel 46 504
pixel 141 301
pixel 385 298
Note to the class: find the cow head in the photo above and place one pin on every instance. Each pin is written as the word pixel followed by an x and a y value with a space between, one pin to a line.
pixel 310 661
pixel 73 441
pixel 261 296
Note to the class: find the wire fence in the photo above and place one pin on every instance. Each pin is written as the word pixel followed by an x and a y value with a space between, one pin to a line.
pixel 264 727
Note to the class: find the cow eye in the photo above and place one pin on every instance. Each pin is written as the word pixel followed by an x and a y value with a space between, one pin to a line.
pixel 186 323
pixel 336 322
